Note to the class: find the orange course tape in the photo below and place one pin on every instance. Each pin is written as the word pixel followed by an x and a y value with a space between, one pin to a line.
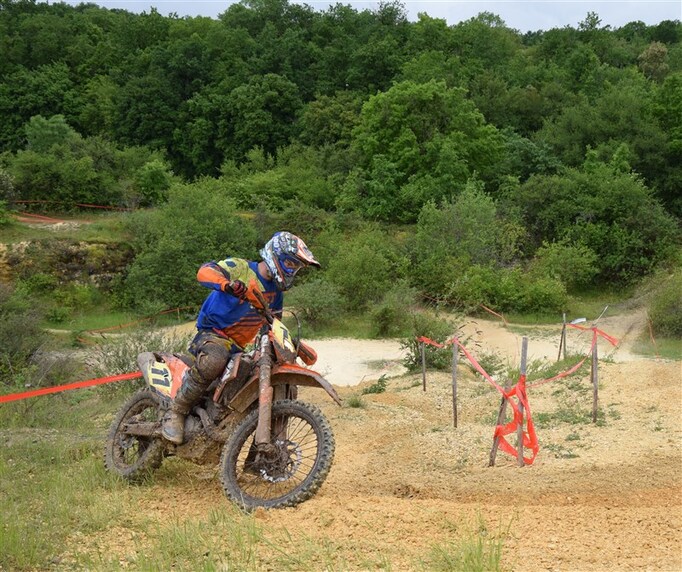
pixel 530 440
pixel 68 386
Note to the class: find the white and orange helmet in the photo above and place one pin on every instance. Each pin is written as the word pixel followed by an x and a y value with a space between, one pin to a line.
pixel 285 254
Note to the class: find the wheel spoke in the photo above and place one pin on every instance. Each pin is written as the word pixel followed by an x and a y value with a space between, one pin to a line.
pixel 275 478
pixel 132 455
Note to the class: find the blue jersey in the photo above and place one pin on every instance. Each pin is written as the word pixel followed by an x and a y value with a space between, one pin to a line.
pixel 226 314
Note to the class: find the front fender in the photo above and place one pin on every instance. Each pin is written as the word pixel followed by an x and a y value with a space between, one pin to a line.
pixel 285 374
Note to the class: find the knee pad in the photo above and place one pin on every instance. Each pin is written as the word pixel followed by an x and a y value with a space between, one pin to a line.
pixel 211 360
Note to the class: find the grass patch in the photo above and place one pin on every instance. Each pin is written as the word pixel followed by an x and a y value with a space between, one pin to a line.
pixel 119 321
pixel 53 486
pixel 561 452
pixel 474 551
pixel 570 415
pixel 378 387
pixel 90 226
pixel 61 510
pixel 355 402
pixel 666 348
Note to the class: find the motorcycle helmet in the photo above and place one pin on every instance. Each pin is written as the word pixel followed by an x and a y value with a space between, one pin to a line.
pixel 285 254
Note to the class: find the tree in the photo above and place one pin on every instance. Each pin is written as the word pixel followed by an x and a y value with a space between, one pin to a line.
pixel 48 90
pixel 652 61
pixel 612 213
pixel 197 224
pixel 414 143
pixel 622 113
pixel 264 112
pixel 364 267
pixel 329 120
pixel 668 111
pixel 42 134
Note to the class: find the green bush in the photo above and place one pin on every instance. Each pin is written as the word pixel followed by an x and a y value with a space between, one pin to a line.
pixel 7 192
pixel 152 182
pixel 20 334
pixel 434 328
pixel 507 290
pixel 38 283
pixel 614 213
pixel 378 387
pixel 365 266
pixel 317 301
pixel 574 264
pixel 389 316
pixel 5 214
pixel 197 224
pixel 119 355
pixel 665 309
pixel 454 234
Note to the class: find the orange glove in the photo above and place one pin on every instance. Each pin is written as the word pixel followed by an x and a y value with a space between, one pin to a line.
pixel 254 296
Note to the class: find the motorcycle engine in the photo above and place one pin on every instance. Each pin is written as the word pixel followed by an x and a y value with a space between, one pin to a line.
pixel 198 447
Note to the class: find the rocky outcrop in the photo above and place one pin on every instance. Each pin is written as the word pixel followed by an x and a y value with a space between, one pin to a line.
pixel 67 260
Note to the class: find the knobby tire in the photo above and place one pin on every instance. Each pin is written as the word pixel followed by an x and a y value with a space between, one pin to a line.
pixel 309 445
pixel 134 457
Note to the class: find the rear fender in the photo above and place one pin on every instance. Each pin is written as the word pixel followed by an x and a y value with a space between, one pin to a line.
pixel 162 371
pixel 285 374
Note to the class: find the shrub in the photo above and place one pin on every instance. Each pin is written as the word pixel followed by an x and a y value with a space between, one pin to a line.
pixel 5 215
pixel 507 290
pixel 434 328
pixel 317 301
pixel 7 192
pixel 20 334
pixel 152 182
pixel 364 267
pixel 196 225
pixel 389 315
pixel 612 212
pixel 378 387
pixel 119 355
pixel 454 234
pixel 38 283
pixel 574 264
pixel 665 308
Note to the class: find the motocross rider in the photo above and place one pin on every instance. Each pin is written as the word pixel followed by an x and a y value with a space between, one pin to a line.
pixel 228 320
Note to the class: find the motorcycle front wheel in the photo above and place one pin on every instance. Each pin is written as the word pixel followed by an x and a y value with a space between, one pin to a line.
pixel 294 467
pixel 134 457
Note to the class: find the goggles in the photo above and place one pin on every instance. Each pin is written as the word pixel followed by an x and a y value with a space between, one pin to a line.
pixel 291 265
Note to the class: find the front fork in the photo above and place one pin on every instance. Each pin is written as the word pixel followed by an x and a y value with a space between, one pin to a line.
pixel 265 393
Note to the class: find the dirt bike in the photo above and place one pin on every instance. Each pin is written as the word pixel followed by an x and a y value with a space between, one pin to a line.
pixel 273 450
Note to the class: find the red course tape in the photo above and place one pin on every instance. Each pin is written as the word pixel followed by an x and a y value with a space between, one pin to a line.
pixel 75 385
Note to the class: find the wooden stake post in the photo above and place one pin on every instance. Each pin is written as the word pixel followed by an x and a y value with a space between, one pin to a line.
pixel 562 341
pixel 455 355
pixel 500 419
pixel 519 429
pixel 595 382
pixel 423 348
pixel 503 411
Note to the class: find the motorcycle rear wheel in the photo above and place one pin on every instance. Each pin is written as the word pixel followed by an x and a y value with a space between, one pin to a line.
pixel 304 454
pixel 134 457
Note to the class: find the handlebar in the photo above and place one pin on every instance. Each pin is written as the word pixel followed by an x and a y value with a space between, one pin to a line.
pixel 265 309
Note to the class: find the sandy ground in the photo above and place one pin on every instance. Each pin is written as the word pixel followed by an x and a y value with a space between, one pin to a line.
pixel 599 497
pixel 351 362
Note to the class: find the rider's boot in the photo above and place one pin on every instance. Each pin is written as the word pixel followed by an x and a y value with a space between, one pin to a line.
pixel 189 393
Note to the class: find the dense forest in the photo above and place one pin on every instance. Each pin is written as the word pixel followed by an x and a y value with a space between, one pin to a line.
pixel 469 163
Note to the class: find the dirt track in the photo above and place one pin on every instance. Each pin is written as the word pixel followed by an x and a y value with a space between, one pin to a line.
pixel 598 497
